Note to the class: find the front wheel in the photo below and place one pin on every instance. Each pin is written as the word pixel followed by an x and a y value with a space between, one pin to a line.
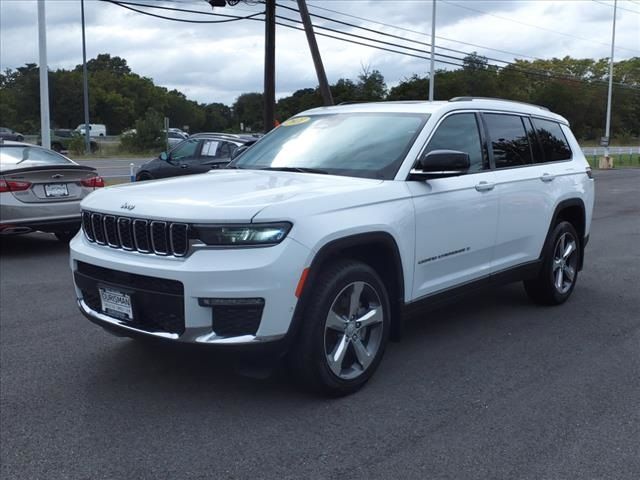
pixel 344 332
pixel 143 176
pixel 559 272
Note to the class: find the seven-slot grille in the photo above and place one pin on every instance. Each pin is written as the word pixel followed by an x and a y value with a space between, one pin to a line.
pixel 136 234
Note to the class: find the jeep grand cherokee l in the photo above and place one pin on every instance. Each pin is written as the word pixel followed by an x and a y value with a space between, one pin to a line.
pixel 316 240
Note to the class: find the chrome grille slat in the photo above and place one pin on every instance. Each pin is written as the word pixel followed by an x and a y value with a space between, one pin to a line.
pixel 141 235
pixel 158 234
pixel 98 228
pixel 110 231
pixel 137 234
pixel 125 234
pixel 179 238
pixel 87 226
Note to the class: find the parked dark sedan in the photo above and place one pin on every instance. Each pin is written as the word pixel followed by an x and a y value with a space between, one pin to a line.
pixel 194 155
pixel 8 134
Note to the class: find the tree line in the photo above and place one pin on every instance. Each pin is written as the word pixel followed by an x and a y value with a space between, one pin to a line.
pixel 574 88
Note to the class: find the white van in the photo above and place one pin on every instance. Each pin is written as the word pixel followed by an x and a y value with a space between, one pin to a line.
pixel 95 129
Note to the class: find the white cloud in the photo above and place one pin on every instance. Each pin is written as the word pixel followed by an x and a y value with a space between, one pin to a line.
pixel 218 62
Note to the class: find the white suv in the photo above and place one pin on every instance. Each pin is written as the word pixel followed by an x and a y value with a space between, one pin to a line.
pixel 316 241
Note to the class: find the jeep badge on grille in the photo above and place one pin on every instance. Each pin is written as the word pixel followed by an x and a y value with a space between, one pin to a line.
pixel 127 206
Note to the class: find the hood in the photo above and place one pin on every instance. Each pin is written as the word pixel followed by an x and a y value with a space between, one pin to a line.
pixel 218 196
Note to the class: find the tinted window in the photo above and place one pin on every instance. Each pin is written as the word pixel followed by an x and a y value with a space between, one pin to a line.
pixel 184 150
pixel 508 140
pixel 371 145
pixel 460 132
pixel 554 143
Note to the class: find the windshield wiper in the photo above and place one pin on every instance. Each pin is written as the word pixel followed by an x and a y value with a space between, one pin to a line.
pixel 297 169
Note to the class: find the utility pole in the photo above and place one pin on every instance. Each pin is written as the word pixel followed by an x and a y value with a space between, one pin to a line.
pixel 45 134
pixel 607 129
pixel 325 91
pixel 270 66
pixel 432 79
pixel 85 85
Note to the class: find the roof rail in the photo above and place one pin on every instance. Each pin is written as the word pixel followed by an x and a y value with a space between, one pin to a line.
pixel 466 99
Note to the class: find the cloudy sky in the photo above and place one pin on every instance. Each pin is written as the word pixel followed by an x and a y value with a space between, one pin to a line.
pixel 217 62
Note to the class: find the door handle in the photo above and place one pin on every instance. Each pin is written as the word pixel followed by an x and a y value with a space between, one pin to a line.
pixel 184 165
pixel 485 186
pixel 546 177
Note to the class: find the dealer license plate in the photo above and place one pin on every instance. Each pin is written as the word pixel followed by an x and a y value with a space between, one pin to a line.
pixel 56 190
pixel 116 304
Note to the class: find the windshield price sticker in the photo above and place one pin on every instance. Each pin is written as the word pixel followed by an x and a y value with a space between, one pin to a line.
pixel 295 121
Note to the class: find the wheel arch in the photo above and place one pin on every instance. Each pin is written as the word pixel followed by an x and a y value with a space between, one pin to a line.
pixel 377 249
pixel 573 211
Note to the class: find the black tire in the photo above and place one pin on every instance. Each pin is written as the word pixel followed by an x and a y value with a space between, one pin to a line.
pixel 19 138
pixel 143 176
pixel 308 360
pixel 545 289
pixel 66 236
pixel 56 147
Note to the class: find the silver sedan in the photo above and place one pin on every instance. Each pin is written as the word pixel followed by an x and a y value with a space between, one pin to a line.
pixel 41 190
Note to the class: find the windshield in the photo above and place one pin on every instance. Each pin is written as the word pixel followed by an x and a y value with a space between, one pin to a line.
pixel 370 145
pixel 28 156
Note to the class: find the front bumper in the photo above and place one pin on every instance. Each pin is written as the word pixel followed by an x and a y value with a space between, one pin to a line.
pixel 270 273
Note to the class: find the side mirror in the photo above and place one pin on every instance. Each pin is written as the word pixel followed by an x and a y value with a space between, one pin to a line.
pixel 164 156
pixel 239 151
pixel 441 164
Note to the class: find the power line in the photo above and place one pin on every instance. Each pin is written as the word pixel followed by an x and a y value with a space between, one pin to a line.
pixel 229 18
pixel 522 55
pixel 533 26
pixel 389 34
pixel 513 66
pixel 618 7
pixel 458 62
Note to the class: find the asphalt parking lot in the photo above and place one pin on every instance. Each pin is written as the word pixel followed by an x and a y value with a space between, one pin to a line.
pixel 493 387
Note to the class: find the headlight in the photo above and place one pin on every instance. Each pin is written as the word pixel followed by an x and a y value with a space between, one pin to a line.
pixel 256 234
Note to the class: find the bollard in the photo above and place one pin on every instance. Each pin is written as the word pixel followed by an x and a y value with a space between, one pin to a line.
pixel 132 177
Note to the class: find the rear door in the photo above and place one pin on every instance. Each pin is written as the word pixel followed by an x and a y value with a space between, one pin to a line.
pixel 527 197
pixel 456 217
pixel 214 153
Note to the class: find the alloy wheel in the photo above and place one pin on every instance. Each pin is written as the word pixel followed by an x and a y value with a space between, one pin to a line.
pixel 565 262
pixel 353 330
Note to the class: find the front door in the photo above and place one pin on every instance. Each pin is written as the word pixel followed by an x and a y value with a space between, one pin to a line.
pixel 456 217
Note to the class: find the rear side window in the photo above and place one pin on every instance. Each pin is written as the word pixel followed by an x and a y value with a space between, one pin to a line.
pixel 460 132
pixel 554 143
pixel 509 140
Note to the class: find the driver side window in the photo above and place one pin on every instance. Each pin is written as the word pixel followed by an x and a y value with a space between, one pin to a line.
pixel 460 132
pixel 184 151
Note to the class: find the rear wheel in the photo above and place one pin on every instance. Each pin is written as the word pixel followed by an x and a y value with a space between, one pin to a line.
pixel 559 272
pixel 66 236
pixel 56 147
pixel 345 331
